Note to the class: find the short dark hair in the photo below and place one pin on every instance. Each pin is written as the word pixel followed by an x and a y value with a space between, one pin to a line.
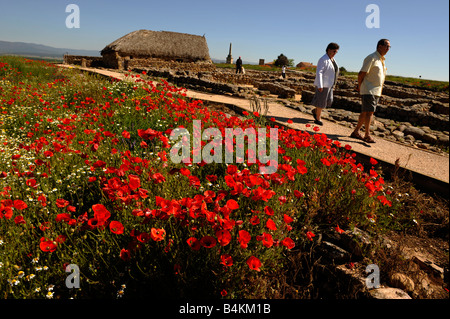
pixel 382 42
pixel 332 46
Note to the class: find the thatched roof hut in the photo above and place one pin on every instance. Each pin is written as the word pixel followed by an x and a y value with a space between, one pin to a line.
pixel 156 45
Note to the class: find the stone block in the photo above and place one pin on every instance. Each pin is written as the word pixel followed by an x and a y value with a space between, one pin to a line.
pixel 389 293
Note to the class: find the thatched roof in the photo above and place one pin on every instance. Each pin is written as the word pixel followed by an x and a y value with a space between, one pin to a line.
pixel 161 44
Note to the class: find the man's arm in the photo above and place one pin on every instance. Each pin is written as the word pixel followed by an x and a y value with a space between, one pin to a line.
pixel 361 76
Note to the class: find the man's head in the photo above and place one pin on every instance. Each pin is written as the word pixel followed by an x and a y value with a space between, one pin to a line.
pixel 383 46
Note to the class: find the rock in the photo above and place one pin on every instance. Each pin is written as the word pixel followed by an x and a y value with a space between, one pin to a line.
pixel 429 266
pixel 443 139
pixel 398 134
pixel 439 107
pixel 423 146
pixel 356 241
pixel 414 131
pixel 409 138
pixel 389 293
pixel 333 253
pixel 399 280
pixel 430 138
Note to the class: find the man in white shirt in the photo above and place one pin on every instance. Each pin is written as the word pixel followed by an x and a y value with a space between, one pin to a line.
pixel 370 85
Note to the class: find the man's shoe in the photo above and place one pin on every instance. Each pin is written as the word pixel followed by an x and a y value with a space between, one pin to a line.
pixel 356 135
pixel 369 139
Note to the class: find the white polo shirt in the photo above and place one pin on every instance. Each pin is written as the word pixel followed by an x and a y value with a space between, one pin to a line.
pixel 374 65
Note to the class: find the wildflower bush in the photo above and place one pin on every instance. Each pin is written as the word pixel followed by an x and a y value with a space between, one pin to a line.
pixel 86 179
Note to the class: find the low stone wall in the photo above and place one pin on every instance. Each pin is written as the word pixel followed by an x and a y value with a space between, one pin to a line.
pixel 83 61
pixel 401 113
pixel 190 80
pixel 281 91
pixel 130 64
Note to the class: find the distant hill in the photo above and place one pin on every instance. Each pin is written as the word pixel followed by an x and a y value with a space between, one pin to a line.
pixel 39 50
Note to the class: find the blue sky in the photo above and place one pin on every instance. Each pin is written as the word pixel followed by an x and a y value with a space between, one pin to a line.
pixel 258 29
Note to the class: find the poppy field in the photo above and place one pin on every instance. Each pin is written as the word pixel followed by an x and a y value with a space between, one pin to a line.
pixel 86 179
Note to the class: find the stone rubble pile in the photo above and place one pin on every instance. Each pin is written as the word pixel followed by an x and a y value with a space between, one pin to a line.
pixel 343 258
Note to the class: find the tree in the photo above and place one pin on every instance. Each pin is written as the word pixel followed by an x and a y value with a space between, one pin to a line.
pixel 283 60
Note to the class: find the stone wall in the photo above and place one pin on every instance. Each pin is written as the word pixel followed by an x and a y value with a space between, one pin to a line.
pixel 130 64
pixel 84 61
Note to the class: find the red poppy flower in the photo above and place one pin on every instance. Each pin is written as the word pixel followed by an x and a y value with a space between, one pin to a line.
pixel 310 235
pixel 147 134
pixel 43 200
pixel 60 239
pixel 116 227
pixel 231 169
pixel 254 263
pixel 373 161
pixel 254 220
pixel 143 237
pixel 71 209
pixel 125 254
pixel 47 245
pixel 184 171
pixel 232 204
pixel 19 220
pixel 99 164
pixel 63 217
pixel 19 204
pixel 61 202
pixel 211 178
pixel 157 234
pixel 134 182
pixel 143 144
pixel 48 153
pixel 44 226
pixel 208 242
pixel 223 236
pixel 226 260
pixel 298 194
pixel 268 210
pixel 244 238
pixel 267 240
pixel 339 230
pixel 287 219
pixel 126 134
pixel 270 224
pixel 100 212
pixel 31 182
pixel 288 243
pixel 94 222
pixel 194 243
